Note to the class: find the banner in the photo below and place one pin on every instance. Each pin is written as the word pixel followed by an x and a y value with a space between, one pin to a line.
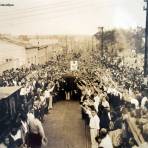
pixel 73 65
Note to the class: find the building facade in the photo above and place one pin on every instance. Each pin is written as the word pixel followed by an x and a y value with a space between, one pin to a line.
pixel 36 55
pixel 12 55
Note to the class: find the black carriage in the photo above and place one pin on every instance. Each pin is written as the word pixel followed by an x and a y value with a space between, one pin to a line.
pixel 9 108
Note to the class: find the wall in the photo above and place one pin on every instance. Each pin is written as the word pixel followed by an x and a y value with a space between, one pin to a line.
pixel 9 65
pixel 42 56
pixel 12 51
pixel 31 56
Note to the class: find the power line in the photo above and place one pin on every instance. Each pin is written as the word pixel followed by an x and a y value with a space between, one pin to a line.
pixel 33 14
pixel 46 7
pixel 52 13
pixel 37 6
pixel 42 7
pixel 54 17
pixel 43 11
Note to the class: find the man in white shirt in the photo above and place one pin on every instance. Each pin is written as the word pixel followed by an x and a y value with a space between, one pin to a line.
pixel 47 96
pixel 97 101
pixel 23 93
pixel 143 102
pixel 14 82
pixel 50 90
pixel 94 125
pixel 23 90
pixel 135 102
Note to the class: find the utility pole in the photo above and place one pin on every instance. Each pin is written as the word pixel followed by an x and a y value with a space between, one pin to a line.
pixel 46 54
pixel 38 52
pixel 66 46
pixel 92 43
pixel 66 43
pixel 146 42
pixel 102 40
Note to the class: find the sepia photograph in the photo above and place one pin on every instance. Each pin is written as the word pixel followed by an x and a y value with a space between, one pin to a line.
pixel 73 73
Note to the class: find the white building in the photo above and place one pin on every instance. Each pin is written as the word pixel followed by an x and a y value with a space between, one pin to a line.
pixel 36 55
pixel 12 54
pixel 15 53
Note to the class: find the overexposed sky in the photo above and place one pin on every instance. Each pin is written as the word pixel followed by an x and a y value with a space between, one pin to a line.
pixel 69 16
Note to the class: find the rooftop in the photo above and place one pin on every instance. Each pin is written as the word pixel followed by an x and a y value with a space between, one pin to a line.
pixel 7 91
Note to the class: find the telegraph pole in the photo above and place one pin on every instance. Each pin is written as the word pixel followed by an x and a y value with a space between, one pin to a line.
pixel 102 40
pixel 146 42
pixel 92 43
pixel 66 38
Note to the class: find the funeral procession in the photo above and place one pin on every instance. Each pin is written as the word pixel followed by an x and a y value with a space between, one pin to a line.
pixel 74 74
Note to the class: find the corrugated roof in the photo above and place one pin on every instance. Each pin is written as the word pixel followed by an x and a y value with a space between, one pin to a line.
pixel 7 91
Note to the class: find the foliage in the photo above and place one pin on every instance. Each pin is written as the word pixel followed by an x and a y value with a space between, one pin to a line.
pixel 121 40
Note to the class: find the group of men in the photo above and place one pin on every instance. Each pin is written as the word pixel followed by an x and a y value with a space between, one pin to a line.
pixel 106 100
pixel 38 86
pixel 102 101
pixel 125 75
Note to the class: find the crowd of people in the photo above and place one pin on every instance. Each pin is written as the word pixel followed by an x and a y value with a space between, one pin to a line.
pixel 107 93
pixel 13 77
pixel 125 75
pixel 104 116
pixel 40 85
pixel 107 100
